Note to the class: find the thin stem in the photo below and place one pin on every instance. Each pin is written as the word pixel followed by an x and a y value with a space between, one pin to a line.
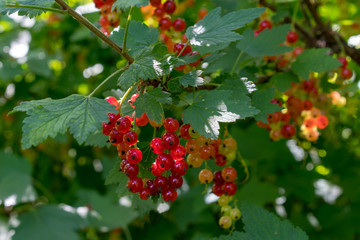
pixel 294 15
pixel 95 30
pixel 127 29
pixel 127 233
pixel 107 79
pixel 36 7
pixel 187 43
pixel 237 62
pixel 246 170
pixel 123 99
pixel 154 133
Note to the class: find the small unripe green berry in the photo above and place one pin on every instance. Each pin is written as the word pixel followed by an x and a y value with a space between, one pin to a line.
pixel 235 214
pixel 225 222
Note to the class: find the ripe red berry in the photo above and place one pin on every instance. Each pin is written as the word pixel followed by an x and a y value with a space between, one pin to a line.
pixel 152 188
pixel 156 146
pixel 308 85
pixel 170 140
pixel 159 12
pixel 179 25
pixel 179 47
pixel 202 13
pixel 217 189
pixel 229 188
pixel 123 124
pixel 197 62
pixel 123 164
pixel 184 131
pixel 169 6
pixel 113 117
pixel 115 137
pixel 106 130
pixel 229 174
pixel 292 37
pixel 161 182
pixel 205 152
pixel 142 121
pixel 164 23
pixel 175 181
pixel 135 184
pixel 112 101
pixel 131 170
pixel 218 178
pixel 155 3
pixel 179 153
pixel 343 61
pixel 130 138
pixel 307 104
pixel 265 24
pixel 134 155
pixel 346 73
pixel 144 194
pixel 169 194
pixel 310 123
pixel 164 161
pixel 180 168
pixel 288 130
pixel 220 160
pixel 171 124
pixel 156 170
pixel 122 149
pixel 132 99
pixel 322 122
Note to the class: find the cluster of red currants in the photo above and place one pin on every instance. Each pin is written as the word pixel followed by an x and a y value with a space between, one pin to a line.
pixel 345 72
pixel 108 18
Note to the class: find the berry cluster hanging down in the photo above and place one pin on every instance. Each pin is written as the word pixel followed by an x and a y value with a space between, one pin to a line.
pixel 109 18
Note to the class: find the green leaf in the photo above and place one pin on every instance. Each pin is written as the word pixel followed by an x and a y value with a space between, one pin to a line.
pixel 314 60
pixel 150 103
pixel 117 177
pixel 26 11
pixel 261 100
pixel 49 117
pixel 125 4
pixel 282 81
pixel 267 43
pixel 15 180
pixel 147 160
pixel 139 37
pixel 214 29
pixel 192 79
pixel 48 222
pixel 260 225
pixel 98 139
pixel 147 65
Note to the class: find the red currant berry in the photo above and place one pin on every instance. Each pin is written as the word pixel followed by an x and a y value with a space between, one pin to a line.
pixel 307 104
pixel 180 168
pixel 115 137
pixel 171 124
pixel 161 182
pixel 343 61
pixel 308 86
pixel 265 24
pixel 322 122
pixel 205 152
pixel 288 131
pixel 156 170
pixel 220 160
pixel 131 170
pixel 197 62
pixel 184 131
pixel 164 161
pixel 179 47
pixel 130 138
pixel 155 3
pixel 202 13
pixel 192 146
pixel 144 194
pixel 206 176
pixel 229 174
pixel 113 117
pixel 164 23
pixel 179 25
pixel 107 128
pixel 292 37
pixel 310 123
pixel 112 101
pixel 180 68
pixel 175 181
pixel 156 146
pixel 217 189
pixel 169 6
pixel 123 124
pixel 123 164
pixel 346 73
pixel 122 149
pixel 229 188
pixel 170 140
pixel 135 184
pixel 152 188
pixel 132 99
pixel 98 3
pixel 179 153
pixel 134 155
pixel 169 194
pixel 142 121
pixel 159 12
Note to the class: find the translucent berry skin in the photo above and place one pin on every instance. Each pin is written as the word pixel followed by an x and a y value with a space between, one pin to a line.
pixel 164 161
pixel 292 37
pixel 205 152
pixel 164 23
pixel 159 12
pixel 235 214
pixel 310 123
pixel 307 105
pixel 229 188
pixel 192 146
pixel 217 189
pixel 308 86
pixel 113 118
pixel 179 46
pixel 123 164
pixel 170 140
pixel 156 146
pixel 106 130
pixel 130 138
pixel 322 122
pixel 135 184
pixel 169 6
pixel 288 131
pixel 206 176
pixel 180 168
pixel 169 194
pixel 179 24
pixel 218 178
pixel 220 160
pixel 122 150
pixel 152 188
pixel 161 182
pixel 155 3
pixel 156 170
pixel 194 161
pixel 115 137
pixel 346 73
pixel 134 155
pixel 184 131
pixel 179 153
pixel 142 121
pixel 229 174
pixel 343 61
pixel 171 124
pixel 144 194
pixel 265 24
pixel 112 101
pixel 225 222
pixel 131 170
pixel 123 124
pixel 175 181
pixel 132 99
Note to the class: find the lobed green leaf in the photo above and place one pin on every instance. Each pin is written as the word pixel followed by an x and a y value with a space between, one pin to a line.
pixel 29 12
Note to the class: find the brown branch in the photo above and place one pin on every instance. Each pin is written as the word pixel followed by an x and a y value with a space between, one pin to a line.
pixel 268 5
pixel 95 30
